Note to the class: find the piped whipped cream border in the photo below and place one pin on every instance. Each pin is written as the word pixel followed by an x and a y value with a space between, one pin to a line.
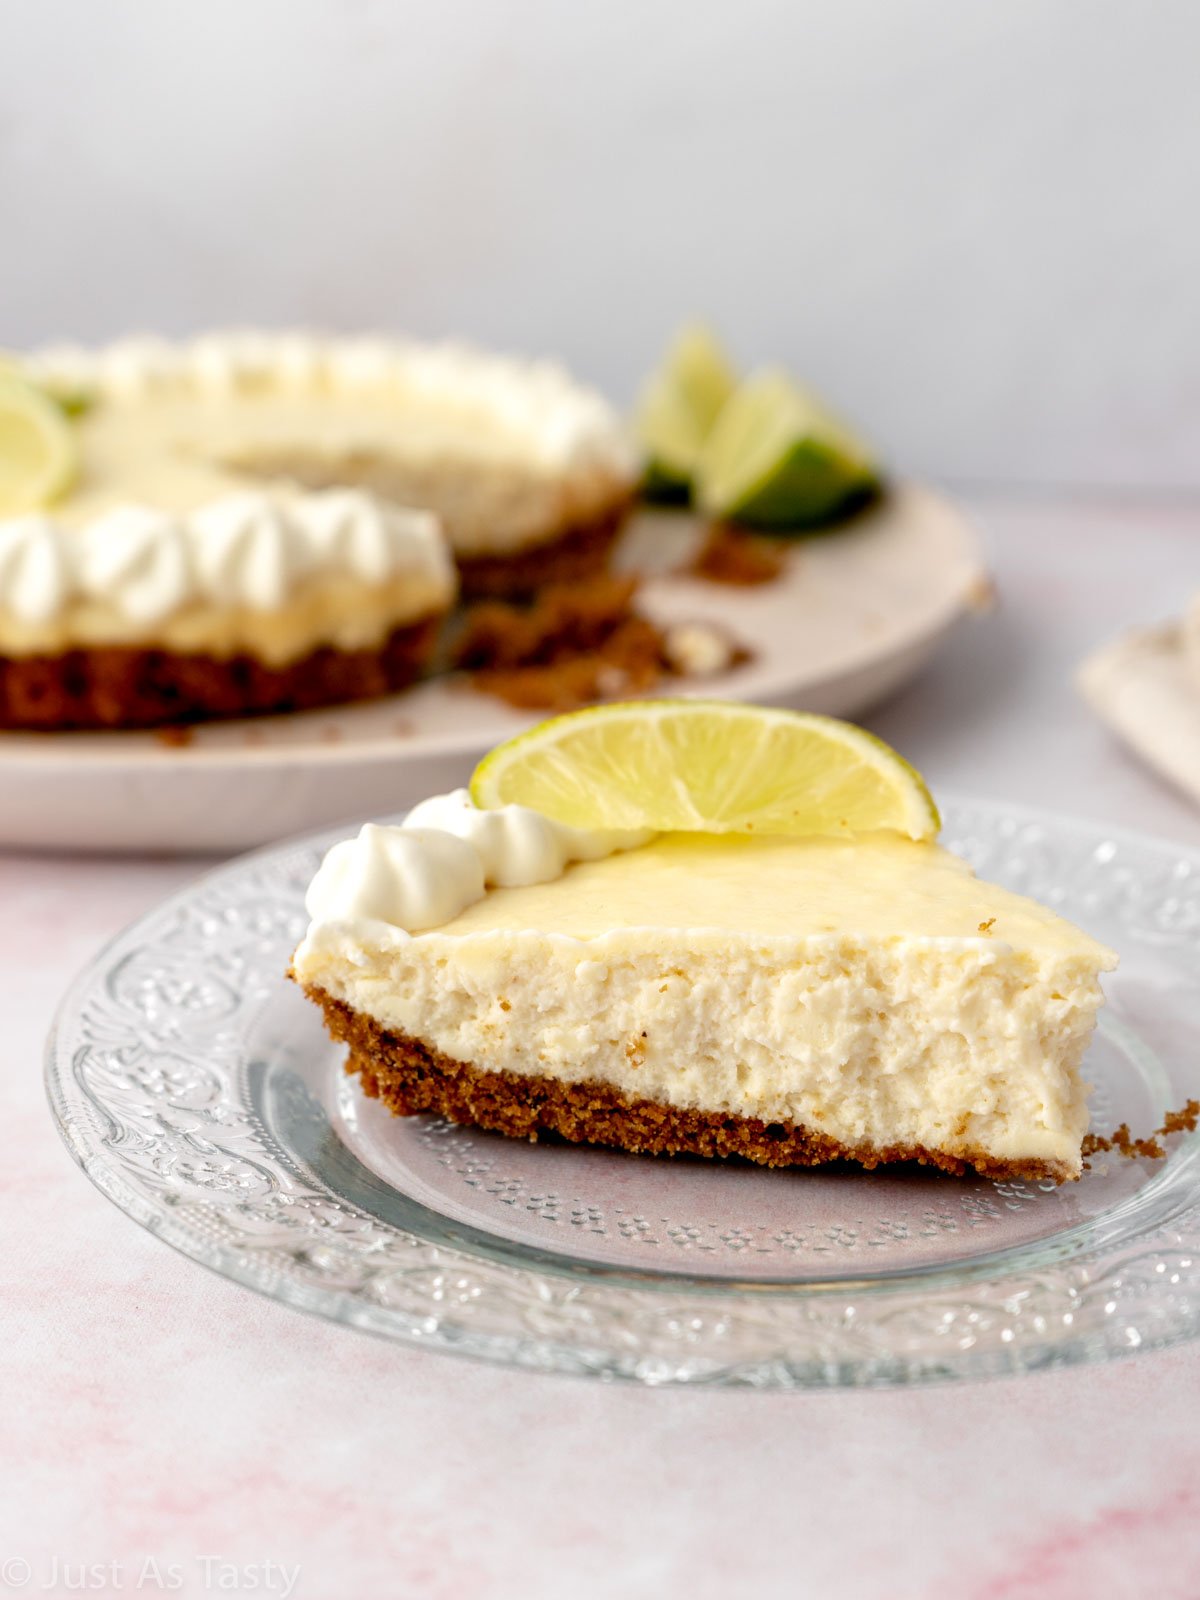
pixel 552 420
pixel 444 857
pixel 250 550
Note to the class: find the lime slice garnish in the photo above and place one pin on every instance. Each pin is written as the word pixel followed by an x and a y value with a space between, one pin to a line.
pixel 38 458
pixel 72 401
pixel 707 766
pixel 776 458
pixel 679 405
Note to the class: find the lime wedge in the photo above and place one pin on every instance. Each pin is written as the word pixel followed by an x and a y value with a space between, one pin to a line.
pixel 679 405
pixel 38 458
pixel 777 459
pixel 707 766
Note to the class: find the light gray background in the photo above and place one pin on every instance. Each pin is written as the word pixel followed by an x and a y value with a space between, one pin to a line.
pixel 974 225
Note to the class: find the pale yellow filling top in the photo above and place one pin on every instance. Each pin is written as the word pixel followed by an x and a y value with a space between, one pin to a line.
pixel 879 886
pixel 179 451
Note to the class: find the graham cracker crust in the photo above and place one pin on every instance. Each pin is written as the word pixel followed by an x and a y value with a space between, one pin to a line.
pixel 569 555
pixel 131 687
pixel 410 1078
pixel 574 644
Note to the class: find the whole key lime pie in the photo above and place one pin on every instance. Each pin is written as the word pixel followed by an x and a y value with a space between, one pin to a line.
pixel 263 522
pixel 685 926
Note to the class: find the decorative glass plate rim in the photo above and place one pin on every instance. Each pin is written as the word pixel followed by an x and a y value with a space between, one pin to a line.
pixel 326 1257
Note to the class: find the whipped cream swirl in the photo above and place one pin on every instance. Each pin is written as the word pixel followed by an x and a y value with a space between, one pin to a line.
pixel 443 858
pixel 34 574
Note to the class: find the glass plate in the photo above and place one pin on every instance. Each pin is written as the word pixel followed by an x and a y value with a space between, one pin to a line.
pixel 196 1088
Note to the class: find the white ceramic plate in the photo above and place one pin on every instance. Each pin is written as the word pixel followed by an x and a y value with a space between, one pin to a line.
pixel 856 613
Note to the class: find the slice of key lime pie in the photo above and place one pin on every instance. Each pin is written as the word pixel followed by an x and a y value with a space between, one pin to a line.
pixel 683 926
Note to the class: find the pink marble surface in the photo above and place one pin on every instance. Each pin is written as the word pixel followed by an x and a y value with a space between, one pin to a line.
pixel 165 1431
